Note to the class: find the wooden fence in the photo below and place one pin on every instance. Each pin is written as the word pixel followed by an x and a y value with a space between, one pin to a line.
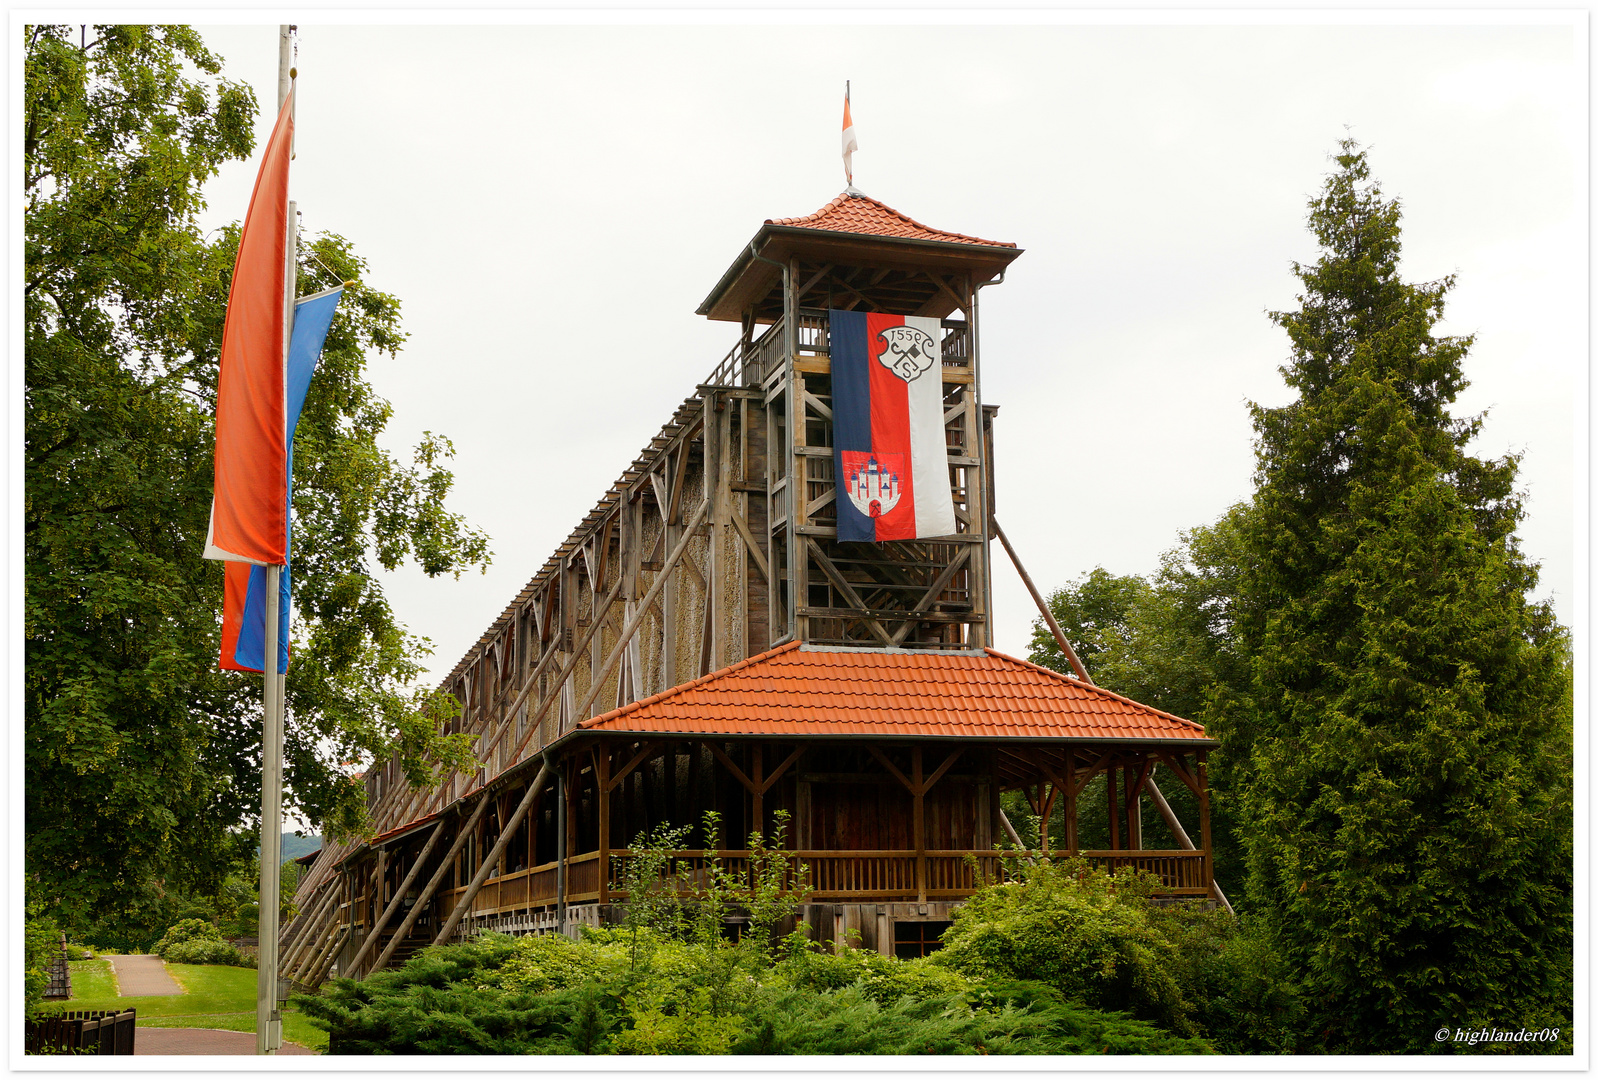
pixel 83 1033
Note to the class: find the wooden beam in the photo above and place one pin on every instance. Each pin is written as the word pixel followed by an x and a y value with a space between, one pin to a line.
pixel 1070 837
pixel 749 544
pixel 931 595
pixel 491 861
pixel 886 764
pixel 399 896
pixel 1175 764
pixel 1048 616
pixel 919 822
pixel 1093 770
pixel 776 774
pixel 644 753
pixel 937 773
pixel 433 882
pixel 598 679
pixel 732 767
pixel 843 586
pixel 536 717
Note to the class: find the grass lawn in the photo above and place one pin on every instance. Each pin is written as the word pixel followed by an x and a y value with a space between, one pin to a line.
pixel 91 980
pixel 217 997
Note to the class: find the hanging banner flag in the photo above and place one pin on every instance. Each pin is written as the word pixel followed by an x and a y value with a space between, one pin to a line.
pixel 247 507
pixel 244 598
pixel 889 452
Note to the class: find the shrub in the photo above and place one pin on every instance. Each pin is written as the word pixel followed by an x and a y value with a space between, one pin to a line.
pixel 206 951
pixel 42 941
pixel 187 930
pixel 1078 929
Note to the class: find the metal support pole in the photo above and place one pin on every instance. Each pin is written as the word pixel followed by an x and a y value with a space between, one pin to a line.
pixel 268 1023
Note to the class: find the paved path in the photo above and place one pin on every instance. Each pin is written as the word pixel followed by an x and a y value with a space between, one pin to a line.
pixel 150 1040
pixel 143 976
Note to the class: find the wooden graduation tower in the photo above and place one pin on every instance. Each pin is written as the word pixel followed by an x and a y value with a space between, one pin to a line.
pixel 703 641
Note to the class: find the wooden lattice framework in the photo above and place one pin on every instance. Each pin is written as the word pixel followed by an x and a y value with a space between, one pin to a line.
pixel 715 544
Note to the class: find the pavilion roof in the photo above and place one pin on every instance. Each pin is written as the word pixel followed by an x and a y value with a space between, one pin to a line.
pixel 816 691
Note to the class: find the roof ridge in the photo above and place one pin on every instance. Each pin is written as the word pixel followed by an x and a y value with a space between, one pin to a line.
pixel 682 688
pixel 1092 686
pixel 841 203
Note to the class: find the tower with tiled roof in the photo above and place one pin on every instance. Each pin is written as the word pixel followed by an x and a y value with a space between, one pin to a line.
pixel 859 254
pixel 703 641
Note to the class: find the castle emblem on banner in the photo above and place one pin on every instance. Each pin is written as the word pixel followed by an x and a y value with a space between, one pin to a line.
pixel 872 485
pixel 910 351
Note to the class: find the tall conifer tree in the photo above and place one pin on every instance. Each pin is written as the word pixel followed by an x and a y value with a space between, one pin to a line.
pixel 1407 787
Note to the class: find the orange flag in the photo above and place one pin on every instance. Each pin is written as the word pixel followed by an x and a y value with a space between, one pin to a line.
pixel 249 509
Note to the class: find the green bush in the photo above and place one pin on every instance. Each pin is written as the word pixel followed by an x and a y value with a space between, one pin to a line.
pixel 1078 929
pixel 549 995
pixel 206 951
pixel 187 930
pixel 197 941
pixel 42 942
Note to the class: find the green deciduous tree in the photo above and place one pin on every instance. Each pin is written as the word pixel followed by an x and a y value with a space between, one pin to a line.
pixel 1405 741
pixel 143 758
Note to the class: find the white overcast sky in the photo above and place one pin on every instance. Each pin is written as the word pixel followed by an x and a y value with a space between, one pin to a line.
pixel 552 202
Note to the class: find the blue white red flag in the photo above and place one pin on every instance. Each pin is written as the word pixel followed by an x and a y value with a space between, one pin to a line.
pixel 889 451
pixel 244 599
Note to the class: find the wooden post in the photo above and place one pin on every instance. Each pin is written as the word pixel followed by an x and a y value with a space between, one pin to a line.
pixel 432 884
pixel 757 773
pixel 919 823
pixel 1134 811
pixel 303 944
pixel 1204 820
pixel 1070 801
pixel 602 797
pixel 489 863
pixel 398 898
pixel 1110 781
pixel 562 849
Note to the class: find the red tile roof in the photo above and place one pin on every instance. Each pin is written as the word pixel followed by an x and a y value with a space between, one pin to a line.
pixel 812 691
pixel 863 214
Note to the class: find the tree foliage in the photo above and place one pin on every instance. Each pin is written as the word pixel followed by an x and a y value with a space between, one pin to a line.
pixel 1406 727
pixel 142 758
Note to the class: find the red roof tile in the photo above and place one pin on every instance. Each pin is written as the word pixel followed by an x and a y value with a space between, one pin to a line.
pixel 863 214
pixel 811 691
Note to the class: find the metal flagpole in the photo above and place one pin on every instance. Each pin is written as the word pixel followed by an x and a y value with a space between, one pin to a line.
pixel 268 1022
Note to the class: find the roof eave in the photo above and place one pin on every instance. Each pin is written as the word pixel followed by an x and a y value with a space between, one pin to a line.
pixel 994 257
pixel 1191 742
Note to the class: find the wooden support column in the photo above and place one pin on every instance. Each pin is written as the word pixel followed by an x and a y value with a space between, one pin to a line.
pixel 602 799
pixel 1070 837
pixel 1204 819
pixel 398 898
pixel 492 860
pixel 919 822
pixel 1110 779
pixel 1134 810
pixel 432 884
pixel 326 906
pixel 757 794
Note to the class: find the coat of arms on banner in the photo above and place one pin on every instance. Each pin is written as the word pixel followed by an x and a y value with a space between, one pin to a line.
pixel 909 351
pixel 872 481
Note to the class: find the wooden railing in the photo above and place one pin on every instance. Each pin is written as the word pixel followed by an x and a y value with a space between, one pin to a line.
pixel 750 365
pixel 828 875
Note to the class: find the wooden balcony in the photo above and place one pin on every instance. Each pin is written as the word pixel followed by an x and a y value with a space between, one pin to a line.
pixel 833 876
